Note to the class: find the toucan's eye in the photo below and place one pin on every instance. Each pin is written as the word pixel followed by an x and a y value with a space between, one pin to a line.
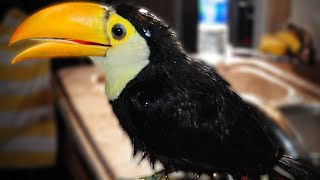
pixel 118 31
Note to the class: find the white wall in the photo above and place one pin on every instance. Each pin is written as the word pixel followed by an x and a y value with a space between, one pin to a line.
pixel 306 13
pixel 260 22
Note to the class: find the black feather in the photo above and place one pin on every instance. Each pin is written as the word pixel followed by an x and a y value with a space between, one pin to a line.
pixel 182 113
pixel 299 169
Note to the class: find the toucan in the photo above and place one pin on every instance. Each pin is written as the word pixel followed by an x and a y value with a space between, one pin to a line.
pixel 176 110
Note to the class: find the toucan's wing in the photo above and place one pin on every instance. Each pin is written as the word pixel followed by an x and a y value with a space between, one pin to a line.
pixel 192 115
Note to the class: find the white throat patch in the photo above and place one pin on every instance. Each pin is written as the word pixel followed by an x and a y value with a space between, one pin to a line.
pixel 122 64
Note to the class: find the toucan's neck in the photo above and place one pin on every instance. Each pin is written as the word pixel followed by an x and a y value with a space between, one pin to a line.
pixel 122 64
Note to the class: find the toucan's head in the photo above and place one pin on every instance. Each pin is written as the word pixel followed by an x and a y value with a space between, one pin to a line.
pixel 121 39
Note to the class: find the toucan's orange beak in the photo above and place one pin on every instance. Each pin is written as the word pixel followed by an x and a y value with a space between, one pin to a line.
pixel 64 30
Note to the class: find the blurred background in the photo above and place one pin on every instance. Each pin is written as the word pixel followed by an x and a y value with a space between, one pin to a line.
pixel 268 50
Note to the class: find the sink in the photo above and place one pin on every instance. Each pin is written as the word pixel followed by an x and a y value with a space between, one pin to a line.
pixel 305 120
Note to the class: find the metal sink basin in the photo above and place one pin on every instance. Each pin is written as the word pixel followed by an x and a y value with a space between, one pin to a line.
pixel 305 120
